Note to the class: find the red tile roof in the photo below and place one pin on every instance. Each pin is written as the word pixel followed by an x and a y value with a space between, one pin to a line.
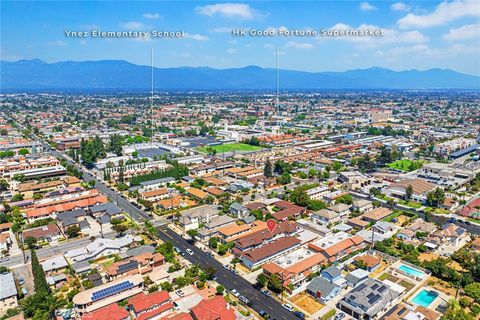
pixel 110 312
pixel 142 301
pixel 213 309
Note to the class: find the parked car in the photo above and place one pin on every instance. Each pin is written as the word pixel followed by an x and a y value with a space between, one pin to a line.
pixel 180 293
pixel 452 220
pixel 264 315
pixel 24 291
pixel 339 316
pixel 244 300
pixel 287 306
pixel 235 293
pixel 177 249
pixel 299 314
pixel 226 266
pixel 189 251
pixel 21 281
pixel 266 293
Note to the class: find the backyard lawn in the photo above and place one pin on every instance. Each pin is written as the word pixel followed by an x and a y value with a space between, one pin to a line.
pixel 229 147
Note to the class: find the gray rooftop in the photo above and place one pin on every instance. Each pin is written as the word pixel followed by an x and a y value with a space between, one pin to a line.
pixel 321 285
pixel 370 297
pixel 7 286
pixel 140 250
pixel 162 180
pixel 332 271
pixel 54 263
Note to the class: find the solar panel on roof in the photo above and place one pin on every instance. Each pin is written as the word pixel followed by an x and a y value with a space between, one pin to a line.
pixel 382 289
pixel 111 290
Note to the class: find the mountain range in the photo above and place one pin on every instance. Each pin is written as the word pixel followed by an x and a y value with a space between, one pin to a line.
pixel 122 75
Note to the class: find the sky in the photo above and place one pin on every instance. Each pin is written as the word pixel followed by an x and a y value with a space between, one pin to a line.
pixel 417 35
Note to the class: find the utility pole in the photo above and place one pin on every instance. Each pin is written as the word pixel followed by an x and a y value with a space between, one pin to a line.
pixel 277 81
pixel 151 101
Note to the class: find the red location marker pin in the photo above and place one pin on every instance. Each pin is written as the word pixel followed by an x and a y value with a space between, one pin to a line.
pixel 271 224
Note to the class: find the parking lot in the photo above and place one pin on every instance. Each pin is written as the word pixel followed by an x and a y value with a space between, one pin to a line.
pixel 25 272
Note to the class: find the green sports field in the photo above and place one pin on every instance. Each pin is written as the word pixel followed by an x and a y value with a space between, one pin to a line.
pixel 406 165
pixel 230 147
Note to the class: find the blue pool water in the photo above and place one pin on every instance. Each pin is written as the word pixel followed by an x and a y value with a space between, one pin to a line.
pixel 412 271
pixel 424 298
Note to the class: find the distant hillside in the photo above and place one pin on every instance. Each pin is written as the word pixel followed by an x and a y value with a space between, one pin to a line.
pixel 122 75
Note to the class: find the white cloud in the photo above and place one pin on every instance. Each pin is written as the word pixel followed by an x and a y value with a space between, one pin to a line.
pixel 399 6
pixel 443 13
pixel 196 37
pixel 153 16
pixel 133 25
pixel 231 50
pixel 365 6
pixel 299 45
pixel 228 10
pixel 390 35
pixel 466 32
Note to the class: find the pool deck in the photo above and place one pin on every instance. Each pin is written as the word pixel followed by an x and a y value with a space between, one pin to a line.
pixel 442 297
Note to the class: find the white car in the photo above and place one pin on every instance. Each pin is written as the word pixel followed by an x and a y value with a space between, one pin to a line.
pixel 180 293
pixel 287 306
pixel 189 251
pixel 235 293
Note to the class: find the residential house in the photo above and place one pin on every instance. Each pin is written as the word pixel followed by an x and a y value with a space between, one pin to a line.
pixel 339 249
pixel 376 214
pixel 110 312
pixel 325 216
pixel 331 274
pixel 100 247
pixel 87 301
pixel 213 309
pixel 370 300
pixel 8 292
pixel 294 267
pixel 238 210
pixel 54 265
pixel 362 205
pixel 48 233
pixel 322 290
pixel 142 264
pixel 268 252
pixel 150 306
pixel 263 235
pixel 369 262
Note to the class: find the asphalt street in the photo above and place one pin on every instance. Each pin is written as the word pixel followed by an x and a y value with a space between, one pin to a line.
pixel 227 278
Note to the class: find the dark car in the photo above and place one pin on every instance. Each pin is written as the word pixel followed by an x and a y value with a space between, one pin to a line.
pixel 264 315
pixel 299 314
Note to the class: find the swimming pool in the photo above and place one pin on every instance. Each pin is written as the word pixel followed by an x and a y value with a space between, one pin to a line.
pixel 424 298
pixel 412 271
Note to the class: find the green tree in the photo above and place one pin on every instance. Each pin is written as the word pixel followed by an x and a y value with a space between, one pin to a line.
pixel 31 242
pixel 473 290
pixel 267 169
pixel 408 192
pixel 262 279
pixel 275 283
pixel 220 289
pixel 73 231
